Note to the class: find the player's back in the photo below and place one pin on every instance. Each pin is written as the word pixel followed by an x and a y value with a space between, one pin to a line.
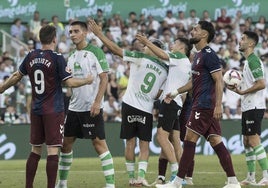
pixel 147 76
pixel 46 70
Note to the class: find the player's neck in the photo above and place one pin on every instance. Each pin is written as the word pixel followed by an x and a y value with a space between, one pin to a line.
pixel 248 52
pixel 48 47
pixel 81 45
pixel 200 45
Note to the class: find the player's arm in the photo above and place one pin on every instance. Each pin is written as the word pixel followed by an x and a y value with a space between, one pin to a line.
pixel 217 77
pixel 187 87
pixel 11 81
pixel 95 108
pixel 156 50
pixel 115 49
pixel 160 91
pixel 258 85
pixel 77 82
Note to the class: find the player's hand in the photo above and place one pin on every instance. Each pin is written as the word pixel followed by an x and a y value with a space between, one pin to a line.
pixel 167 100
pixel 95 109
pixel 142 38
pixel 217 112
pixel 172 94
pixel 235 89
pixel 89 78
pixel 96 29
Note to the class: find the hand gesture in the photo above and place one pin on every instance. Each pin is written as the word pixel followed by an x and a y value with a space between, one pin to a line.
pixel 142 38
pixel 96 29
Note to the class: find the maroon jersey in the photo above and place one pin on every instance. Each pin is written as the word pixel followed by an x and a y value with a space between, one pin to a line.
pixel 46 70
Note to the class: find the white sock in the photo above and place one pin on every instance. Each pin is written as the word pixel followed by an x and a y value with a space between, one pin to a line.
pixel 232 180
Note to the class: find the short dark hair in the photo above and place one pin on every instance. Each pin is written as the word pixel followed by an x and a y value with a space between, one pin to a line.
pixel 253 36
pixel 47 34
pixel 205 25
pixel 188 45
pixel 83 25
pixel 158 43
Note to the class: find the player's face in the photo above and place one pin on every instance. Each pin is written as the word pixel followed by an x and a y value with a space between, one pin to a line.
pixel 243 43
pixel 196 34
pixel 178 46
pixel 77 34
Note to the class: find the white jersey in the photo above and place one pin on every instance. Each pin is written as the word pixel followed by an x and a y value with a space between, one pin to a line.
pixel 90 60
pixel 147 75
pixel 179 74
pixel 253 70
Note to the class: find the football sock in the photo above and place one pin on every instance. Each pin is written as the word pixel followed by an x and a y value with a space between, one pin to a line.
pixel 232 180
pixel 65 163
pixel 51 169
pixel 108 168
pixel 31 167
pixel 190 169
pixel 186 158
pixel 142 168
pixel 261 158
pixel 162 168
pixel 250 159
pixel 225 159
pixel 174 168
pixel 130 165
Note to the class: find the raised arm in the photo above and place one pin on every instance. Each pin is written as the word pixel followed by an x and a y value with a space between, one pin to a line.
pixel 115 49
pixel 157 51
pixel 11 81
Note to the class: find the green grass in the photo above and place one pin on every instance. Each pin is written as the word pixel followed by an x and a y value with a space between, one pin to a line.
pixel 86 172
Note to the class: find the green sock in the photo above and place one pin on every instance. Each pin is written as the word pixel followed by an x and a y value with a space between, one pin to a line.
pixel 250 159
pixel 261 156
pixel 65 163
pixel 142 169
pixel 130 165
pixel 107 167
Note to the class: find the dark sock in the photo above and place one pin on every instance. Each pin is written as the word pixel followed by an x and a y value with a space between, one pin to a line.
pixel 162 166
pixel 225 159
pixel 190 169
pixel 52 168
pixel 186 158
pixel 31 167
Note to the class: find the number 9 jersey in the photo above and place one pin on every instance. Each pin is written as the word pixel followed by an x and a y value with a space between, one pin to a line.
pixel 147 76
pixel 46 70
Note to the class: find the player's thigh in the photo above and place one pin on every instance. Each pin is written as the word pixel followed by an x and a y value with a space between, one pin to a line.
pixel 37 135
pixel 72 125
pixel 54 128
pixel 251 122
pixel 203 123
pixel 145 127
pixel 168 114
pixel 92 127
pixel 129 122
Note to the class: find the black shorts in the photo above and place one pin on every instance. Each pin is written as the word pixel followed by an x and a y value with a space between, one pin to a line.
pixel 136 123
pixel 251 121
pixel 82 125
pixel 168 113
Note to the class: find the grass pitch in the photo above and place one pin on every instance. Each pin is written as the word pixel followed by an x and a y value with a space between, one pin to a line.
pixel 87 173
